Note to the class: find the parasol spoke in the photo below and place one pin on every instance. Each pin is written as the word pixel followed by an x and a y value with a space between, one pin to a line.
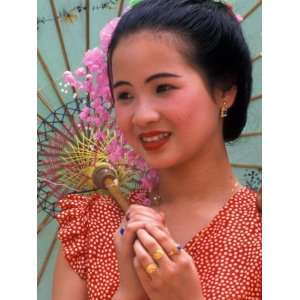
pixel 255 58
pixel 54 128
pixel 52 154
pixel 252 10
pixel 49 146
pixel 45 102
pixel 246 166
pixel 65 56
pixel 44 223
pixel 60 98
pixel 120 8
pixel 46 163
pixel 248 134
pixel 39 206
pixel 59 32
pixel 87 27
pixel 256 97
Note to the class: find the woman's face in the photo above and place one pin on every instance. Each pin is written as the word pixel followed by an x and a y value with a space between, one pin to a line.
pixel 162 104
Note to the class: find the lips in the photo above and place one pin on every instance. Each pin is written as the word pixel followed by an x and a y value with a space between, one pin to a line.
pixel 154 140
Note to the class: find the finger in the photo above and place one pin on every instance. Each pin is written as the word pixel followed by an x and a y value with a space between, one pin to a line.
pixel 126 235
pixel 147 220
pixel 143 276
pixel 148 215
pixel 164 239
pixel 145 264
pixel 154 249
pixel 136 216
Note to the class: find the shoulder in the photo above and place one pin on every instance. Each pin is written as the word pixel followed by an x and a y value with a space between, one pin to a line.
pixel 244 208
pixel 78 213
pixel 235 249
pixel 85 221
pixel 98 215
pixel 242 221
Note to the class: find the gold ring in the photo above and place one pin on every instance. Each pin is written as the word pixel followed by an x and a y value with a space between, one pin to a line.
pixel 175 251
pixel 158 254
pixel 151 268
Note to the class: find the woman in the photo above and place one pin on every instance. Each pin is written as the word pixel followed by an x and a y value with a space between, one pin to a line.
pixel 180 75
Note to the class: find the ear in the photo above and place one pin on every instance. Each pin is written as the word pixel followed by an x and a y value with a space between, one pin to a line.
pixel 226 97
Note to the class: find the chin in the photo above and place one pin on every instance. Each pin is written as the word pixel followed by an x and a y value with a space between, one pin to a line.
pixel 161 162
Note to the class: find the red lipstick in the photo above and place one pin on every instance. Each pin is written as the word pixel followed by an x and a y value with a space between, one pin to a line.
pixel 154 140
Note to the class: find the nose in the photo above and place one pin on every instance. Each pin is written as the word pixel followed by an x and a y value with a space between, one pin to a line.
pixel 145 114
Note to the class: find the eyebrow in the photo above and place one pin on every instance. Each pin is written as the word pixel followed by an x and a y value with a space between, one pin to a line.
pixel 152 77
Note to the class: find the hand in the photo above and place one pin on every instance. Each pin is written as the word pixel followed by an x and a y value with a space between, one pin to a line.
pixel 136 217
pixel 175 277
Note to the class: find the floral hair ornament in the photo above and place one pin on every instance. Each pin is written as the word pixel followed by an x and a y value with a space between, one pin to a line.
pixel 231 11
pixel 101 150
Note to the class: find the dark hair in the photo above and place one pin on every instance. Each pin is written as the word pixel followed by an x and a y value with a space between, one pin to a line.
pixel 214 45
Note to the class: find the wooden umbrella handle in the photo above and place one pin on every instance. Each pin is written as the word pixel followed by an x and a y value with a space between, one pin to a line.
pixel 114 189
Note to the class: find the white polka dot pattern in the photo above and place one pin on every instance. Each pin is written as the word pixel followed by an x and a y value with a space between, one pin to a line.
pixel 227 253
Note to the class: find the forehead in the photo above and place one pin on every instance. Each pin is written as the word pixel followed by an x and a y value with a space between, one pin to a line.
pixel 149 52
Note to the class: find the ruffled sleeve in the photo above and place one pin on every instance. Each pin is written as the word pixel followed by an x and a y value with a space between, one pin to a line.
pixel 86 227
pixel 73 222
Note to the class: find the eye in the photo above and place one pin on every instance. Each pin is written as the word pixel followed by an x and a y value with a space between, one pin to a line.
pixel 164 88
pixel 124 96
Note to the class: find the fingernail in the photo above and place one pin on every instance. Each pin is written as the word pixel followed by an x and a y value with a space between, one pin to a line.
pixel 122 231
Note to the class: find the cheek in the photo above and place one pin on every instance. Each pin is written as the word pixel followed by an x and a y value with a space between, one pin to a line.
pixel 123 122
pixel 122 118
pixel 189 106
pixel 194 114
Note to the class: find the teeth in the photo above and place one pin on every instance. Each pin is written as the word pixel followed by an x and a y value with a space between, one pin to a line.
pixel 155 138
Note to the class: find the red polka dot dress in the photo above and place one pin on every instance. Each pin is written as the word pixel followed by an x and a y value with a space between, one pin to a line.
pixel 227 253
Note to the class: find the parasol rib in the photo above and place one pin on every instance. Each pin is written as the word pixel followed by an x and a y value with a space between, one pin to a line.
pixel 259 96
pixel 54 128
pixel 44 223
pixel 45 163
pixel 246 166
pixel 46 69
pixel 58 29
pixel 248 134
pixel 52 81
pixel 52 154
pixel 49 146
pixel 87 46
pixel 45 102
pixel 258 56
pixel 120 9
pixel 87 32
pixel 52 190
pixel 67 63
pixel 45 263
pixel 252 10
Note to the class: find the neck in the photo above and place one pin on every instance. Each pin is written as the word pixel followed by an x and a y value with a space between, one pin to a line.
pixel 206 177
